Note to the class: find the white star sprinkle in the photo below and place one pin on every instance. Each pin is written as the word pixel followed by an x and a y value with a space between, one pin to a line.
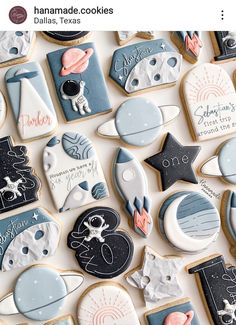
pixel 120 77
pixel 35 216
pixel 163 46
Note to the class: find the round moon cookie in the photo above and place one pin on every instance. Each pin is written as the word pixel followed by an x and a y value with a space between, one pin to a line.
pixel 223 163
pixel 3 109
pixel 138 121
pixel 189 221
pixel 67 38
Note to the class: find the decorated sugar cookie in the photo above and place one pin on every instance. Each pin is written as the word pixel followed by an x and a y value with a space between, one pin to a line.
pixel 106 303
pixel 138 121
pixel 189 221
pixel 124 37
pixel 30 100
pixel 224 43
pixel 174 162
pixel 73 171
pixel 189 44
pixel 3 109
pixel 27 237
pixel 156 277
pixel 101 250
pixel 223 164
pixel 15 47
pixel 79 82
pixel 210 100
pixel 131 183
pixel 216 283
pixel 18 184
pixel 145 66
pixel 67 38
pixel 40 292
pixel 179 312
pixel 62 320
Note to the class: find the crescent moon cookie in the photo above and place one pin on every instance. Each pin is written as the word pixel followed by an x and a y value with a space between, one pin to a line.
pixel 179 312
pixel 223 164
pixel 216 283
pixel 40 292
pixel 3 109
pixel 174 162
pixel 73 171
pixel 209 97
pixel 101 250
pixel 30 101
pixel 189 44
pixel 189 221
pixel 156 277
pixel 79 82
pixel 16 47
pixel 224 44
pixel 18 184
pixel 124 37
pixel 106 303
pixel 131 183
pixel 145 66
pixel 138 121
pixel 26 238
pixel 66 38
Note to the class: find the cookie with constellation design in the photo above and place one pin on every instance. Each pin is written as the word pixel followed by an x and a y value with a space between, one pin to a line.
pixel 217 285
pixel 106 303
pixel 16 47
pixel 73 171
pixel 179 312
pixel 124 37
pixel 3 109
pixel 101 249
pixel 18 183
pixel 79 82
pixel 30 100
pixel 224 44
pixel 209 97
pixel 62 320
pixel 66 38
pixel 145 66
pixel 189 44
pixel 39 292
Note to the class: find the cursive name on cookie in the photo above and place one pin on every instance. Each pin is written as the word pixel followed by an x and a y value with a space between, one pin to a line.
pixel 208 111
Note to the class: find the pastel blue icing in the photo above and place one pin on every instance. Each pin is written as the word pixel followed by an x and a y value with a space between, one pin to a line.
pixel 123 156
pixel 227 160
pixel 77 146
pixel 12 226
pixel 38 82
pixel 158 318
pixel 138 121
pixel 95 86
pixel 39 293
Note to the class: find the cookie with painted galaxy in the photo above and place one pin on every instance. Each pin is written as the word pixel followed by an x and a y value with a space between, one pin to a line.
pixel 224 44
pixel 189 221
pixel 66 38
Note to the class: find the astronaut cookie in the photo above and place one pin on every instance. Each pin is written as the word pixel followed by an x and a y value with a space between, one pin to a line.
pixel 67 38
pixel 40 292
pixel 224 44
pixel 131 183
pixel 73 171
pixel 156 277
pixel 79 82
pixel 209 97
pixel 189 221
pixel 144 66
pixel 179 312
pixel 15 47
pixel 189 44
pixel 101 250
pixel 124 37
pixel 27 237
pixel 223 164
pixel 106 303
pixel 18 184
pixel 138 121
pixel 30 100
pixel 3 109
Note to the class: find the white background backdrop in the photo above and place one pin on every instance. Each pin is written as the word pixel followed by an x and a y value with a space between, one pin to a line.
pixel 106 148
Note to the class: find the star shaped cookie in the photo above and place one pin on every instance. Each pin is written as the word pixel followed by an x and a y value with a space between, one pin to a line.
pixel 174 162
pixel 157 276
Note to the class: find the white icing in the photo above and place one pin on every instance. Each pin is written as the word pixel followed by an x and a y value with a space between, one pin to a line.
pixel 211 167
pixel 169 113
pixel 73 280
pixel 3 109
pixel 7 305
pixel 108 129
pixel 125 36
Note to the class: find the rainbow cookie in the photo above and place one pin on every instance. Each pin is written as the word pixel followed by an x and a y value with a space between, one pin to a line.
pixel 224 44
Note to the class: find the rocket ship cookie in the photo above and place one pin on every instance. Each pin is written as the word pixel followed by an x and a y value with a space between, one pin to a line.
pixel 145 66
pixel 138 121
pixel 131 183
pixel 31 102
pixel 73 171
pixel 210 99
